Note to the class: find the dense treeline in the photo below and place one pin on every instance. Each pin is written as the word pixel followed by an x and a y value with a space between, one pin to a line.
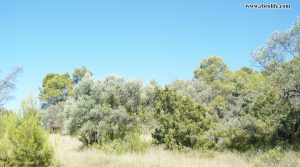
pixel 248 109
pixel 217 109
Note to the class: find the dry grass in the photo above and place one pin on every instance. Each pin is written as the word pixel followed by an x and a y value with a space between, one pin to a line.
pixel 68 153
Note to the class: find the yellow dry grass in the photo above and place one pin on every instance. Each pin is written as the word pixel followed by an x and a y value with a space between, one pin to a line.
pixel 69 154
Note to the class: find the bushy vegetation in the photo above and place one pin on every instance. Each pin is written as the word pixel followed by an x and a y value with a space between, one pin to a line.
pixel 217 109
pixel 182 121
pixel 107 112
pixel 23 141
pixel 247 109
pixel 56 89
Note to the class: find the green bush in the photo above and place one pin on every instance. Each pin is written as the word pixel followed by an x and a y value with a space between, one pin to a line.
pixel 181 121
pixel 108 125
pixel 23 141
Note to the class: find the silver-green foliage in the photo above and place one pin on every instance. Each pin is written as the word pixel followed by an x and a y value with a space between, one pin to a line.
pixel 106 111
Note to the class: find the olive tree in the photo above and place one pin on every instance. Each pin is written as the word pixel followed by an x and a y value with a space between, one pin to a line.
pixel 106 111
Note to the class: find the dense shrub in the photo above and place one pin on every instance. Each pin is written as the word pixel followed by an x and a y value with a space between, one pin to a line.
pixel 23 141
pixel 181 121
pixel 106 113
pixel 287 83
pixel 249 109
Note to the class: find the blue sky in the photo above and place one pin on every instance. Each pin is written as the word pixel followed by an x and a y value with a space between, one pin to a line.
pixel 157 39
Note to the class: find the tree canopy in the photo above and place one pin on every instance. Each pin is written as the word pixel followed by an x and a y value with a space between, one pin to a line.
pixel 56 88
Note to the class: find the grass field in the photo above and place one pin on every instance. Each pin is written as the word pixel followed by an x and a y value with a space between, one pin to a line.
pixel 69 153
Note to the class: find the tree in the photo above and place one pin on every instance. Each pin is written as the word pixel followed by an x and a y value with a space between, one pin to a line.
pixel 7 85
pixel 280 59
pixel 79 74
pixel 106 112
pixel 52 117
pixel 211 69
pixel 280 46
pixel 286 82
pixel 56 88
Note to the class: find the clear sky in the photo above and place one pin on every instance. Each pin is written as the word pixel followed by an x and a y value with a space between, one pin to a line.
pixel 154 39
